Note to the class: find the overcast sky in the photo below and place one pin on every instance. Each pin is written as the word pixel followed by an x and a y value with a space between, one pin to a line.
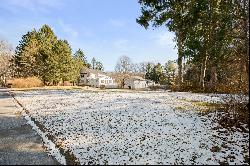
pixel 104 29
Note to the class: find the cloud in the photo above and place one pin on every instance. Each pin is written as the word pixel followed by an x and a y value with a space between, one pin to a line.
pixel 121 44
pixel 117 23
pixel 66 28
pixel 31 5
pixel 165 39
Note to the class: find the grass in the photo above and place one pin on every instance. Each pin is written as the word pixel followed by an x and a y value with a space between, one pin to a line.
pixel 207 107
pixel 201 106
pixel 49 87
pixel 28 82
pixel 205 104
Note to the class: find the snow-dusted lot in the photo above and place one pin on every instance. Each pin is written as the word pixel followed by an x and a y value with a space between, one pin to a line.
pixel 134 128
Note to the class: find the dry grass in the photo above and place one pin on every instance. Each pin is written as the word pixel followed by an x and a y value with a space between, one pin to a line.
pixel 28 82
pixel 48 88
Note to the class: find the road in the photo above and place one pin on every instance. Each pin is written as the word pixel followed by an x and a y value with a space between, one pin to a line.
pixel 19 144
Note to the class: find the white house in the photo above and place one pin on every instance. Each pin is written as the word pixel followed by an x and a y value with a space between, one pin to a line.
pixel 136 82
pixel 96 78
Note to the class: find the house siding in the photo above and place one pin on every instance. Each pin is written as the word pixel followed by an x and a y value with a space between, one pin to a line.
pixel 137 83
pixel 96 79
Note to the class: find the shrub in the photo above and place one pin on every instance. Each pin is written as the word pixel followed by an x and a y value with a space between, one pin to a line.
pixel 102 86
pixel 158 87
pixel 26 82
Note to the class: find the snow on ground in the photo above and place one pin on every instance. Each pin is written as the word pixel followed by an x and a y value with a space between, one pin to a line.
pixel 134 128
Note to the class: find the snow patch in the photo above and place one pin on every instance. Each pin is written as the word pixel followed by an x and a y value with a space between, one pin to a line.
pixel 134 128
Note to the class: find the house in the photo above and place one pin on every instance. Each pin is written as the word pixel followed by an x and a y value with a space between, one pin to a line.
pixel 136 82
pixel 96 78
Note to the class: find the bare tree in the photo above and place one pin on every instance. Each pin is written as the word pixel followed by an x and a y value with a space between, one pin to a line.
pixel 135 68
pixel 143 67
pixel 124 65
pixel 6 53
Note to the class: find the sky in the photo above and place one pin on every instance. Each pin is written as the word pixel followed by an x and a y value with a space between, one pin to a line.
pixel 105 30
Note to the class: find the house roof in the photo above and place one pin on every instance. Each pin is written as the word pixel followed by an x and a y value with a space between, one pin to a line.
pixel 85 69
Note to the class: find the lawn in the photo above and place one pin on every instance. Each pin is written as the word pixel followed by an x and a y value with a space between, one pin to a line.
pixel 134 128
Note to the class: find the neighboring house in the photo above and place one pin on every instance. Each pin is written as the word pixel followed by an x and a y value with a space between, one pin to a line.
pixel 136 82
pixel 96 78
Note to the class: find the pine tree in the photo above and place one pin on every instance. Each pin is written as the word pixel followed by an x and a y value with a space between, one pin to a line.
pixel 93 63
pixel 79 55
pixel 26 55
pixel 46 59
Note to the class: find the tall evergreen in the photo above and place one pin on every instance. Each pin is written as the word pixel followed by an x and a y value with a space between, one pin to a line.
pixel 41 54
pixel 26 55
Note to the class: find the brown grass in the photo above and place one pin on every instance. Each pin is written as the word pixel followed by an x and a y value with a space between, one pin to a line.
pixel 28 82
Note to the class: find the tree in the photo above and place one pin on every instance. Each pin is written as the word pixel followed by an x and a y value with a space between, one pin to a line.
pixel 124 65
pixel 26 55
pixel 79 55
pixel 34 55
pixel 170 14
pixel 135 68
pixel 6 66
pixel 149 71
pixel 99 66
pixel 170 69
pixel 63 69
pixel 41 54
pixel 143 67
pixel 212 35
pixel 155 73
pixel 93 63
pixel 46 61
pixel 79 61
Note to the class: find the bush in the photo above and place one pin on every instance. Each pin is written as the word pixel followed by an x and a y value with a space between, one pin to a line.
pixel 102 86
pixel 26 82
pixel 158 87
pixel 234 113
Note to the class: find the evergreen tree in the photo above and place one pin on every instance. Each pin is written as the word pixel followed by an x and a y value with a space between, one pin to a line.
pixel 46 59
pixel 99 66
pixel 26 55
pixel 148 71
pixel 40 54
pixel 212 35
pixel 79 55
pixel 93 63
pixel 170 69
pixel 63 62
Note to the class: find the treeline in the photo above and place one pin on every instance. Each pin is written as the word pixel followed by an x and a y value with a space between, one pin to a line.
pixel 40 53
pixel 212 38
pixel 161 74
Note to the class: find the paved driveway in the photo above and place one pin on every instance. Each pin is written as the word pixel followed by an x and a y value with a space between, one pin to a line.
pixel 19 144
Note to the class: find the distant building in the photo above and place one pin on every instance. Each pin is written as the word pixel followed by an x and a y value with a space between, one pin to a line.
pixel 96 78
pixel 136 82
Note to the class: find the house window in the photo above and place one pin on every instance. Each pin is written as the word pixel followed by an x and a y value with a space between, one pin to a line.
pixel 102 81
pixel 110 81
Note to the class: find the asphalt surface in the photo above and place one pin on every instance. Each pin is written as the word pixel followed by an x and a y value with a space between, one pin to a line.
pixel 19 143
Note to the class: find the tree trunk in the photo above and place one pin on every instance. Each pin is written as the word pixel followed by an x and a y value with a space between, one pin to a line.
pixel 246 31
pixel 244 59
pixel 214 78
pixel 203 72
pixel 179 61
